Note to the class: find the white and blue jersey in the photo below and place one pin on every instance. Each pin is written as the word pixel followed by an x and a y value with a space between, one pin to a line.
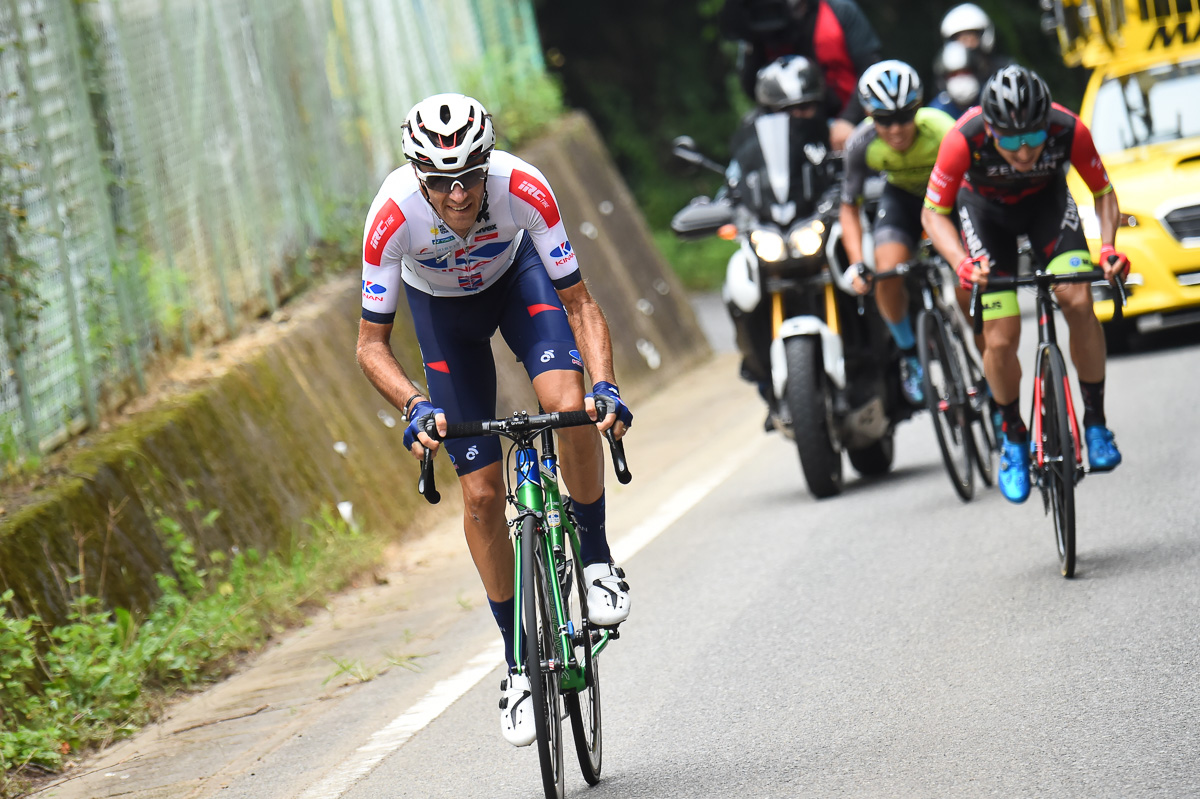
pixel 406 242
pixel 504 275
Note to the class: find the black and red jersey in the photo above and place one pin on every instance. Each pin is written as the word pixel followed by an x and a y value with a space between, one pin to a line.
pixel 969 158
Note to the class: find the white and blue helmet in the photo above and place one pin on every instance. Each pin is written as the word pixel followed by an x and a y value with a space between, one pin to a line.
pixel 890 87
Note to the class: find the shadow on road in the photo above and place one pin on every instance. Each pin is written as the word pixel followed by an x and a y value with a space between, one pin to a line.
pixel 1162 341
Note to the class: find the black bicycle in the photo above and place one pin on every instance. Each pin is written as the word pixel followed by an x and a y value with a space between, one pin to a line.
pixel 955 389
pixel 1057 457
pixel 561 647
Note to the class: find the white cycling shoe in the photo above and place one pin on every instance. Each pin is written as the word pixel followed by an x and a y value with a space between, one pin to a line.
pixel 607 594
pixel 516 710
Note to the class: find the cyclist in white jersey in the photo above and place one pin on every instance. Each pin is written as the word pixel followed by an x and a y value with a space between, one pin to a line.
pixel 473 238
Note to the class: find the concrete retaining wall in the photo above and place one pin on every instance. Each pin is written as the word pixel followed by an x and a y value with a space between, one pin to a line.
pixel 257 441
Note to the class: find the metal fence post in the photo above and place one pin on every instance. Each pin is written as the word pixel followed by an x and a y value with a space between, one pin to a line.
pixel 87 128
pixel 84 373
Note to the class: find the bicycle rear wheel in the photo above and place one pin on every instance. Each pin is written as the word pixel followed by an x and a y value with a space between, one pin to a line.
pixel 1058 443
pixel 542 664
pixel 946 398
pixel 583 705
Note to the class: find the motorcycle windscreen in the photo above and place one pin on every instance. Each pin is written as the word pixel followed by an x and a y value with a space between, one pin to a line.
pixel 773 132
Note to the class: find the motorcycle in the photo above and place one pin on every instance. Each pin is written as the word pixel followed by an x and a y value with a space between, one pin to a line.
pixel 823 360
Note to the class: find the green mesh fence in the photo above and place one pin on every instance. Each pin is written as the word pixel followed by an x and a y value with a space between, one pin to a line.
pixel 165 165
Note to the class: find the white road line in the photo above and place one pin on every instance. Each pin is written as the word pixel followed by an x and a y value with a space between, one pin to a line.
pixel 445 693
pixel 405 726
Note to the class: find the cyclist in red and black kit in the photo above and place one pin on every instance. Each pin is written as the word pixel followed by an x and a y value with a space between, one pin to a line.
pixel 1003 168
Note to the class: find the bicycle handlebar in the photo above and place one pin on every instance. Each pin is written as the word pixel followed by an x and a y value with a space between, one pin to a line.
pixel 1045 280
pixel 520 424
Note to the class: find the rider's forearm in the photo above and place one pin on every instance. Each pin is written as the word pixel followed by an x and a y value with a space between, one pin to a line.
pixel 944 235
pixel 851 233
pixel 1109 214
pixel 590 329
pixel 377 362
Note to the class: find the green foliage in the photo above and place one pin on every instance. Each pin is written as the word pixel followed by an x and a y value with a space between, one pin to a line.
pixel 522 102
pixel 96 677
pixel 699 264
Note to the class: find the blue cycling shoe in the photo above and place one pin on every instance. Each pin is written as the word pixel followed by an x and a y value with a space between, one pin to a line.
pixel 912 379
pixel 1103 454
pixel 1014 471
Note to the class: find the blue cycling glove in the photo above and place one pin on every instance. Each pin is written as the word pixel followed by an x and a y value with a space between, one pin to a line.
pixel 613 395
pixel 415 418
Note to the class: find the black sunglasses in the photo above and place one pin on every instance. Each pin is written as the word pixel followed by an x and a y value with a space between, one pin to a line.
pixel 444 182
pixel 898 118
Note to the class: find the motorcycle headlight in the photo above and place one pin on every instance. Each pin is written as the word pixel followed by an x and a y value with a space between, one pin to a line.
pixel 768 245
pixel 807 239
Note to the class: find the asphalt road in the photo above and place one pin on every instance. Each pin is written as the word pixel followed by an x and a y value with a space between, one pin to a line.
pixel 889 642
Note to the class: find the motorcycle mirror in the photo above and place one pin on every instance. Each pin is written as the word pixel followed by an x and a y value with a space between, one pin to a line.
pixel 684 147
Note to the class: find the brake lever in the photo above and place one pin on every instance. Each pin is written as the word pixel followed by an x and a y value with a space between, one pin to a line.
pixel 615 447
pixel 976 310
pixel 1119 297
pixel 426 484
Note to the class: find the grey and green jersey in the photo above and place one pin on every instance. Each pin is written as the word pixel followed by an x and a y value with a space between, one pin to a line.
pixel 909 171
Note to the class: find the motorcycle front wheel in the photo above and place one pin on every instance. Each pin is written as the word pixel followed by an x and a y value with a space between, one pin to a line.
pixel 810 401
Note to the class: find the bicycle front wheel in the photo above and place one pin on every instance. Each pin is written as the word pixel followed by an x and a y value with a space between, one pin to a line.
pixel 946 398
pixel 1058 445
pixel 583 704
pixel 542 664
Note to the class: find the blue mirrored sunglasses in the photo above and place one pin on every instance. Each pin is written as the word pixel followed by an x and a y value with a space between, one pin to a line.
pixel 1013 143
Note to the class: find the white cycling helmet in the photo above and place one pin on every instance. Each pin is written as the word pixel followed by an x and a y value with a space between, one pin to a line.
pixel 448 131
pixel 970 17
pixel 890 87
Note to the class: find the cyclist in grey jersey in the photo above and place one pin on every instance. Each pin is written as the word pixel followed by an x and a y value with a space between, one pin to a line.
pixel 900 139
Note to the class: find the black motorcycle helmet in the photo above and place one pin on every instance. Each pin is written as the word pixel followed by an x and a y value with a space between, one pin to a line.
pixel 789 81
pixel 1015 100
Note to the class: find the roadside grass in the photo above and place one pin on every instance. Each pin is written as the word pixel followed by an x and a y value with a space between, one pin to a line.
pixel 105 673
pixel 700 265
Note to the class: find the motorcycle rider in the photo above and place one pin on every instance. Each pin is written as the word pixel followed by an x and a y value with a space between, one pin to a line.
pixel 835 34
pixel 970 26
pixel 900 139
pixel 959 84
pixel 792 84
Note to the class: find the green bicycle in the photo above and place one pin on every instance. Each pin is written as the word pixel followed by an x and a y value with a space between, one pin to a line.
pixel 561 656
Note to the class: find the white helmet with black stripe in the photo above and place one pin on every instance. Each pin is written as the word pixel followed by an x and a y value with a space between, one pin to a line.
pixel 890 87
pixel 448 131
pixel 969 17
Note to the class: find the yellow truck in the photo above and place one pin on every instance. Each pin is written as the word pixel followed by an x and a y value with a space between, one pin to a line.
pixel 1143 107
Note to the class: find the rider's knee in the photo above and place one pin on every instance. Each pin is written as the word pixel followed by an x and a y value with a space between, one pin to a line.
pixel 483 499
pixel 1002 339
pixel 559 395
pixel 1076 301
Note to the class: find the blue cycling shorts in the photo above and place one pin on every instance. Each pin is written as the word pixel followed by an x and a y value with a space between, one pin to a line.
pixel 455 337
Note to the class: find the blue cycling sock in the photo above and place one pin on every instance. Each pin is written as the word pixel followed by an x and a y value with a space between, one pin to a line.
pixel 902 333
pixel 503 611
pixel 593 543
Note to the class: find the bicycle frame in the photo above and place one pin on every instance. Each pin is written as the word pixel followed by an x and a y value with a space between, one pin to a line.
pixel 538 495
pixel 1048 336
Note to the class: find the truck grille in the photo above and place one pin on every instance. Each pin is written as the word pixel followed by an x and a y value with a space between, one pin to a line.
pixel 1184 223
